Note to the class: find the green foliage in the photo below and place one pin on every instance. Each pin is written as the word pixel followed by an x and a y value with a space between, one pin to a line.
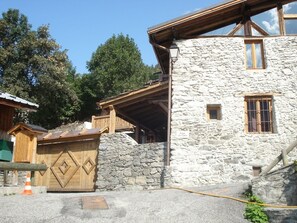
pixel 115 67
pixel 254 212
pixel 33 67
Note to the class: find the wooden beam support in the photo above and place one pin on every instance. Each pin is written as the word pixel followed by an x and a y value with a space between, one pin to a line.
pixel 281 21
pixel 132 121
pixel 22 166
pixel 112 119
pixel 248 26
pixel 279 158
pixel 164 107
pixel 290 16
pixel 135 95
pixel 236 28
pixel 259 29
pixel 137 133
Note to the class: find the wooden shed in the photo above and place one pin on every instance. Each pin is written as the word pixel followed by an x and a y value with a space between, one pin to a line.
pixel 25 142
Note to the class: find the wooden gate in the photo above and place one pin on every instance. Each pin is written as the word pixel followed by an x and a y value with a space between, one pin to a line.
pixel 72 165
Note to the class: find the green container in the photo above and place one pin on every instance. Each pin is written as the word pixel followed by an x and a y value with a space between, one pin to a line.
pixel 6 150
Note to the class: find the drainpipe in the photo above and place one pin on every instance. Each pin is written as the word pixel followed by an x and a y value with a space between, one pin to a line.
pixel 173 54
pixel 169 113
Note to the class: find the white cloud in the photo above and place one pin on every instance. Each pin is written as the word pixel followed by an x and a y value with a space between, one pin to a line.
pixel 272 25
pixel 191 11
pixel 289 6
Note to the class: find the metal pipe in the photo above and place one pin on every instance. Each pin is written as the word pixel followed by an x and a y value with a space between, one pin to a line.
pixel 169 113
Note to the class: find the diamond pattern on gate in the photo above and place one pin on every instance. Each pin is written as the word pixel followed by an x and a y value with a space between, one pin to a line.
pixel 42 172
pixel 88 165
pixel 64 167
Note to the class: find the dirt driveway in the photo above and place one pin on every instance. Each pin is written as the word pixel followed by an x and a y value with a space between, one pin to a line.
pixel 168 205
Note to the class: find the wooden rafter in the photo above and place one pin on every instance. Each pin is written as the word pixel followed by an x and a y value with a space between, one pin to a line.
pixel 259 29
pixel 200 22
pixel 235 29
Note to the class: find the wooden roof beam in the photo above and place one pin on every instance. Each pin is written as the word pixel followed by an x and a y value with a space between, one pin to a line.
pixel 134 95
pixel 132 121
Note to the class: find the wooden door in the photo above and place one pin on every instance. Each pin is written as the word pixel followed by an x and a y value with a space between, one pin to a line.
pixel 71 166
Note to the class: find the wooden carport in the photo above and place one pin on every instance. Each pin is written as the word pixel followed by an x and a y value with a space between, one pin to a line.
pixel 146 108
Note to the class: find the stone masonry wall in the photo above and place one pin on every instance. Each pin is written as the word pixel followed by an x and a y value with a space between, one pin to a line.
pixel 123 164
pixel 278 187
pixel 212 71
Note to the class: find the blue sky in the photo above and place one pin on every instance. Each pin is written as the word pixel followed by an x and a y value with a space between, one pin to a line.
pixel 80 26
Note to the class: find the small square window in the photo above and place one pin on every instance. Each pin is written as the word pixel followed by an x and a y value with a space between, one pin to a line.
pixel 254 54
pixel 214 112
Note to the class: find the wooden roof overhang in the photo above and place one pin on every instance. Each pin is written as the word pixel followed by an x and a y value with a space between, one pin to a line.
pixel 16 102
pixel 146 106
pixel 17 105
pixel 203 21
pixel 35 129
pixel 70 136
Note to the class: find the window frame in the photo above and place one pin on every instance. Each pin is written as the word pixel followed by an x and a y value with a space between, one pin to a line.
pixel 258 110
pixel 215 107
pixel 253 43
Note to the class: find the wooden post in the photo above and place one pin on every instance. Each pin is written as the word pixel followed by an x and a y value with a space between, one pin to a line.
pixel 279 158
pixel 137 133
pixel 285 158
pixel 280 13
pixel 112 119
pixel 34 148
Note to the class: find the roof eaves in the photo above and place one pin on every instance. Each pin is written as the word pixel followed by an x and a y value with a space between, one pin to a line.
pixel 10 97
pixel 120 97
pixel 190 16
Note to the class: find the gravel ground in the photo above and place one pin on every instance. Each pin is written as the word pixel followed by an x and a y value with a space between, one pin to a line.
pixel 168 205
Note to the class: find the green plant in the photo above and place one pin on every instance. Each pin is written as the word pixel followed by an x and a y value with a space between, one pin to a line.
pixel 254 212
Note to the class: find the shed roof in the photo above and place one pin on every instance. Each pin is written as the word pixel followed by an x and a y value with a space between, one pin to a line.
pixel 194 24
pixel 16 102
pixel 70 136
pixel 29 127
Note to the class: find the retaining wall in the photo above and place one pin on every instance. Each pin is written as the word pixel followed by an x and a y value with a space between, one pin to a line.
pixel 123 164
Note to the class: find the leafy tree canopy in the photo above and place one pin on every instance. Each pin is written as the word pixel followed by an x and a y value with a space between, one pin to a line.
pixel 115 67
pixel 33 66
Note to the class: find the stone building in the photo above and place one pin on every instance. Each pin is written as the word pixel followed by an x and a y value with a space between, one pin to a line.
pixel 231 90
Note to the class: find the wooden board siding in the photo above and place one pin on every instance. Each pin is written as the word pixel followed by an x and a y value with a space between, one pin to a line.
pixel 71 166
pixel 24 144
pixel 6 117
pixel 104 121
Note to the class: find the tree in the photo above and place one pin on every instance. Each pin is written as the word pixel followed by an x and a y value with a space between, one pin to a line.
pixel 115 67
pixel 33 66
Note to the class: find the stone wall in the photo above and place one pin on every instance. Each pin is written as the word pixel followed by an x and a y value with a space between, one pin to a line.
pixel 278 187
pixel 123 164
pixel 212 71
